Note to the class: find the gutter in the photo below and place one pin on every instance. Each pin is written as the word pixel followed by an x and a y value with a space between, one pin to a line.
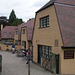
pixel 67 47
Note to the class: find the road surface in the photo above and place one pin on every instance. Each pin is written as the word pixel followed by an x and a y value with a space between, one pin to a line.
pixel 13 65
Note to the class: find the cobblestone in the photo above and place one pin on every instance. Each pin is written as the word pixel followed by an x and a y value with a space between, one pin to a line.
pixel 13 65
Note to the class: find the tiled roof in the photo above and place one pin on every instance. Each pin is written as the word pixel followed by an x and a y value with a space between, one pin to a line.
pixel 70 2
pixel 66 19
pixel 29 26
pixel 5 33
pixel 65 10
pixel 19 30
pixel 51 2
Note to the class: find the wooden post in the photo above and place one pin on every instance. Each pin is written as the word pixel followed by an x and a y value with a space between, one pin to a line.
pixel 29 66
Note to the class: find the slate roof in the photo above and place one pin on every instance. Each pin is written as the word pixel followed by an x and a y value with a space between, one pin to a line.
pixel 7 30
pixel 65 10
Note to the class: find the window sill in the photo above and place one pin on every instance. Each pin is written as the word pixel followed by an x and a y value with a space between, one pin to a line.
pixel 43 27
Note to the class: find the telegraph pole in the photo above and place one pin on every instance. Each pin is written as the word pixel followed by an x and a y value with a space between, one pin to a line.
pixel 29 66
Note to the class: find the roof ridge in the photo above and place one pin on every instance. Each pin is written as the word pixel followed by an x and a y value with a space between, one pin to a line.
pixel 48 4
pixel 68 2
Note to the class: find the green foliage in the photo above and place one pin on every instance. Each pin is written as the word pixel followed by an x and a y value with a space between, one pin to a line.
pixel 16 22
pixel 13 21
pixel 12 16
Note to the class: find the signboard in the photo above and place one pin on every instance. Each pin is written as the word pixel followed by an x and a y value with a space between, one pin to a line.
pixel 69 54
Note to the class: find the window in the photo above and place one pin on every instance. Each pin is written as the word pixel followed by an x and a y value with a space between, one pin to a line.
pixel 5 33
pixel 45 51
pixel 49 50
pixel 10 34
pixel 23 31
pixel 69 54
pixel 24 44
pixel 44 22
pixel 16 32
pixel 16 42
pixel 13 34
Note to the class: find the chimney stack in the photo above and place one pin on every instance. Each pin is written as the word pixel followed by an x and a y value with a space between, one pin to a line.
pixel 1 26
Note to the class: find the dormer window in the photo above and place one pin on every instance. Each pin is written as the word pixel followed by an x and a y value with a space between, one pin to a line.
pixel 44 22
pixel 23 31
pixel 5 33
pixel 16 32
pixel 10 34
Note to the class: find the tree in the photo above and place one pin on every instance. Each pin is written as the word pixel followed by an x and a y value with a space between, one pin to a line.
pixel 13 21
pixel 17 22
pixel 12 16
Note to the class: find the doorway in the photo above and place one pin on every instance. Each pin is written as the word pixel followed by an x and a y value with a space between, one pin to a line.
pixel 39 54
pixel 24 44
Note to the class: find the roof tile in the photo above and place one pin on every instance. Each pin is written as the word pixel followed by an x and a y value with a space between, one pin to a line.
pixel 66 18
pixel 29 25
pixel 70 2
pixel 7 30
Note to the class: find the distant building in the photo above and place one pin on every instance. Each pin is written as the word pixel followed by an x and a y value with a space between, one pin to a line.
pixel 26 34
pixel 23 34
pixel 7 36
pixel 3 23
pixel 8 32
pixel 3 18
pixel 17 35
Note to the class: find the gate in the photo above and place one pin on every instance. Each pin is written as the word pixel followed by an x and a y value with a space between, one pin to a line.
pixel 55 63
pixel 50 60
pixel 45 53
pixel 47 63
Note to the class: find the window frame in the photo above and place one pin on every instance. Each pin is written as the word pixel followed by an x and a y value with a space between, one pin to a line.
pixel 5 33
pixel 16 42
pixel 46 54
pixel 23 31
pixel 16 32
pixel 24 44
pixel 10 33
pixel 44 22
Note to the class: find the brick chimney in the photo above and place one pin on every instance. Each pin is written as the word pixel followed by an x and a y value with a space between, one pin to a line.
pixel 1 26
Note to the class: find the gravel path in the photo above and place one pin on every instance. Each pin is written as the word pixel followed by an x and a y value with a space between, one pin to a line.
pixel 13 65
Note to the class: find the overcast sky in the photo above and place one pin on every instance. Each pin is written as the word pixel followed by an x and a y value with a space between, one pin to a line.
pixel 24 9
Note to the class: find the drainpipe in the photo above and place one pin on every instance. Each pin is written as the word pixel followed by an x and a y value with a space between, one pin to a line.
pixel 32 52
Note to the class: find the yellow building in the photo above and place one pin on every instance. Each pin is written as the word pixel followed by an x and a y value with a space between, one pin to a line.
pixel 7 37
pixel 26 34
pixel 54 37
pixel 23 35
pixel 17 36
